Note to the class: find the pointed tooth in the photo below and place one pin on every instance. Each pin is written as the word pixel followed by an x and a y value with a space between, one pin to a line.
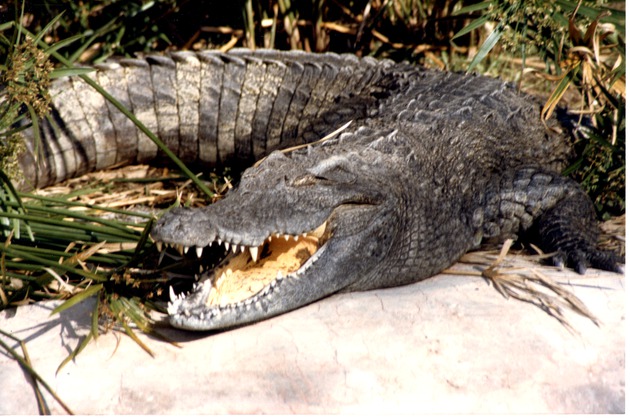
pixel 196 277
pixel 220 279
pixel 159 245
pixel 278 235
pixel 253 250
pixel 242 248
pixel 171 294
pixel 286 237
pixel 234 248
pixel 200 269
pixel 304 235
pixel 180 249
pixel 279 275
pixel 227 246
pixel 171 309
pixel 199 251
pixel 219 241
pixel 207 285
pixel 161 256
pixel 296 237
pixel 186 248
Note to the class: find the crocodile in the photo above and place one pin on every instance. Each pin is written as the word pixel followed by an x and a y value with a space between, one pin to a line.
pixel 362 174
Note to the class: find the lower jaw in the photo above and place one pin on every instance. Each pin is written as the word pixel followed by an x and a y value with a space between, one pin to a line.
pixel 193 313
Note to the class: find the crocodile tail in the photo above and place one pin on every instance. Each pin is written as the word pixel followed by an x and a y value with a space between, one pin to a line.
pixel 209 108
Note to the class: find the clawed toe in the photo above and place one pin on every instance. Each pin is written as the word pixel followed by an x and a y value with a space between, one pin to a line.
pixel 580 261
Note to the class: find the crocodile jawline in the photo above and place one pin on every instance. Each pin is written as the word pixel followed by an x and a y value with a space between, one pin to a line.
pixel 242 278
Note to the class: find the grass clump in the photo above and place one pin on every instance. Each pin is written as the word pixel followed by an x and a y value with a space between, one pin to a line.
pixel 580 47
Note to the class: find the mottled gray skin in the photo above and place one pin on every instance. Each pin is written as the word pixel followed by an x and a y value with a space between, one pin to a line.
pixel 431 164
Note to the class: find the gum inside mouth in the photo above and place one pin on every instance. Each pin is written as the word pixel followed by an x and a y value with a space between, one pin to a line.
pixel 243 275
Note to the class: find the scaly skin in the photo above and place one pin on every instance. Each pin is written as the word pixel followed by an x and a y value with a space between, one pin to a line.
pixel 443 162
pixel 430 164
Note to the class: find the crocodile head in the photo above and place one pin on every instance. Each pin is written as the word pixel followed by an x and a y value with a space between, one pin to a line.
pixel 297 229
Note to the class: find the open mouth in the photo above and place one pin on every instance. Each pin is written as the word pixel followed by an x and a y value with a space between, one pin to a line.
pixel 247 273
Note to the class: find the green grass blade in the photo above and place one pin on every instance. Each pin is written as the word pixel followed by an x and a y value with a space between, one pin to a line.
pixel 70 71
pixel 78 349
pixel 95 313
pixel 474 7
pixel 37 38
pixel 487 45
pixel 67 203
pixel 472 26
pixel 616 17
pixel 58 45
pixel 144 238
pixel 5 26
pixel 79 297
pixel 24 364
pixel 91 228
pixel 557 94
pixel 14 196
pixel 120 311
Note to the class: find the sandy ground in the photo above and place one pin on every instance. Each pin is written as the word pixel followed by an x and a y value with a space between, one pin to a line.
pixel 450 344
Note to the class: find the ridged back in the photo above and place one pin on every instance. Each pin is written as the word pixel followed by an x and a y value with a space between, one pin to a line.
pixel 210 108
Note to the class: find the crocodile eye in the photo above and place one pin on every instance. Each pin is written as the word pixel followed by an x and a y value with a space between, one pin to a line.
pixel 305 180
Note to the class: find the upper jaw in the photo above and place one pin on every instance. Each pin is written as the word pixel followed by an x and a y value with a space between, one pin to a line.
pixel 186 229
pixel 218 223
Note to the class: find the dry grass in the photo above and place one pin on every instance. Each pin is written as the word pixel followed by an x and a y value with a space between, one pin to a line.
pixel 516 280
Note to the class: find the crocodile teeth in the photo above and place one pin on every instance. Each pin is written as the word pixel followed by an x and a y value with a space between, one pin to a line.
pixel 186 248
pixel 227 246
pixel 221 278
pixel 234 248
pixel 159 245
pixel 171 294
pixel 199 251
pixel 253 250
pixel 162 252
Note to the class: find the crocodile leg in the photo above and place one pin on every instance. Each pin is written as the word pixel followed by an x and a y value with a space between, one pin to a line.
pixel 553 212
